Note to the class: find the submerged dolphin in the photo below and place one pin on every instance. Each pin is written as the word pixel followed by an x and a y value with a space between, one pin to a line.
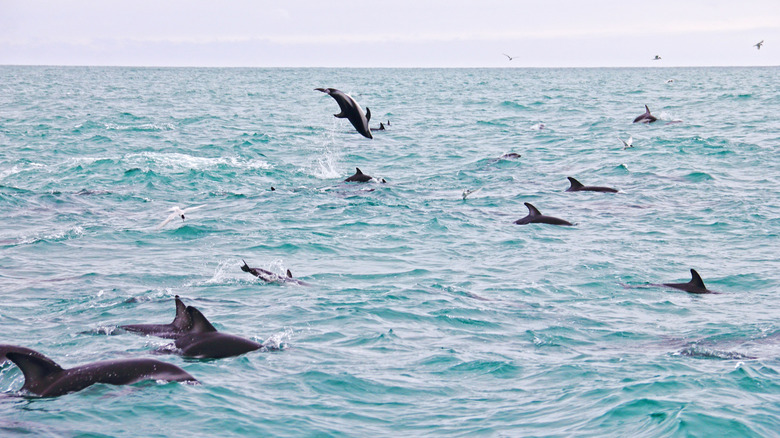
pixel 350 110
pixel 269 276
pixel 204 341
pixel 181 323
pixel 646 117
pixel 536 217
pixel 576 186
pixel 695 286
pixel 45 378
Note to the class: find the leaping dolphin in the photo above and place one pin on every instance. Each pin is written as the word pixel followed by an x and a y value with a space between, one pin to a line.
pixel 181 323
pixel 646 117
pixel 44 377
pixel 536 217
pixel 576 186
pixel 350 110
pixel 695 286
pixel 270 277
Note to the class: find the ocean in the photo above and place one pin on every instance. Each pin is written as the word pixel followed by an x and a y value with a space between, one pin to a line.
pixel 425 314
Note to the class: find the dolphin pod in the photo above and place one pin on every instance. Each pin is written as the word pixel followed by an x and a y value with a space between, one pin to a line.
pixel 44 377
pixel 200 339
pixel 350 110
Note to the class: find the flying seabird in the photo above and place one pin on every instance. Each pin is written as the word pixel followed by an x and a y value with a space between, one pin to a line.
pixel 178 212
pixel 627 143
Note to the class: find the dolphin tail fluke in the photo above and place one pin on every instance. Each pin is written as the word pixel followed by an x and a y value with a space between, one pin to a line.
pixel 34 367
pixel 368 114
pixel 696 280
pixel 246 267
pixel 574 184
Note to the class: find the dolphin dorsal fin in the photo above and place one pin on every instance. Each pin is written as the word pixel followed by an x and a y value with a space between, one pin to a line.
pixel 199 322
pixel 182 320
pixel 368 114
pixel 358 172
pixel 647 110
pixel 696 280
pixel 35 369
pixel 574 183
pixel 289 274
pixel 532 211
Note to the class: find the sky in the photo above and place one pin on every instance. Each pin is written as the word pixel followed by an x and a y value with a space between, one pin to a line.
pixel 390 33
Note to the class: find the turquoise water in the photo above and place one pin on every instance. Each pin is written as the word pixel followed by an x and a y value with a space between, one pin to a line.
pixel 426 314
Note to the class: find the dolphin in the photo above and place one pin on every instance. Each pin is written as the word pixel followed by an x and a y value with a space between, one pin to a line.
pixel 270 277
pixel 181 323
pixel 695 286
pixel 350 110
pixel 646 117
pixel 576 186
pixel 43 377
pixel 358 177
pixel 203 341
pixel 535 217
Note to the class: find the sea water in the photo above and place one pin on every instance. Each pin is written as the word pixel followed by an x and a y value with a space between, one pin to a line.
pixel 425 313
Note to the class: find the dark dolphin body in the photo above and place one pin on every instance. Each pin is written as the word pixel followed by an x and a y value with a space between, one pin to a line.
pixel 646 117
pixel 576 186
pixel 535 217
pixel 695 286
pixel 205 342
pixel 180 325
pixel 43 377
pixel 358 177
pixel 350 110
pixel 270 277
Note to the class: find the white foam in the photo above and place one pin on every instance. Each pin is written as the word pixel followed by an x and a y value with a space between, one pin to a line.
pixel 178 162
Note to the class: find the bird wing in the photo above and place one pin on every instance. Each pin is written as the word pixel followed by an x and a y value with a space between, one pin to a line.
pixel 189 209
pixel 165 222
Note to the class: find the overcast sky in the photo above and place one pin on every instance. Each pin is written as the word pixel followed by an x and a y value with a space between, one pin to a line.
pixel 390 33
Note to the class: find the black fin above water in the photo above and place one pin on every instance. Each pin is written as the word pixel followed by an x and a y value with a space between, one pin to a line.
pixel 199 322
pixel 35 369
pixel 574 184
